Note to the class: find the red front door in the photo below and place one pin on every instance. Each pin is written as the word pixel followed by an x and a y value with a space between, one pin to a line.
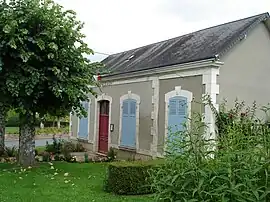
pixel 103 126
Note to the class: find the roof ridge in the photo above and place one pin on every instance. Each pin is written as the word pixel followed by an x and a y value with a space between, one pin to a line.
pixel 265 15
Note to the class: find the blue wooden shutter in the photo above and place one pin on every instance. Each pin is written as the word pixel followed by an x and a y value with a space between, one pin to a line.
pixel 83 126
pixel 177 116
pixel 128 136
pixel 177 113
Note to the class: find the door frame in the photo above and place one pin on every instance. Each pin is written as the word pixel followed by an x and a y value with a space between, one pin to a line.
pixel 88 125
pixel 176 92
pixel 96 123
pixel 136 97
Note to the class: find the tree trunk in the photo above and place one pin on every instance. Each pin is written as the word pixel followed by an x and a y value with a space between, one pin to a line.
pixel 41 125
pixel 3 115
pixel 58 123
pixel 27 140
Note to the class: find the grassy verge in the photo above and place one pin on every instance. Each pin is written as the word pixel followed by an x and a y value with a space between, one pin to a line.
pixel 47 130
pixel 83 183
pixel 12 130
pixel 41 149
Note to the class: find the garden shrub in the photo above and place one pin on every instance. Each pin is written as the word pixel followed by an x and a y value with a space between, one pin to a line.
pixel 129 178
pixel 111 156
pixel 61 150
pixel 79 147
pixel 234 168
pixel 55 147
pixel 11 151
pixel 68 147
pixel 46 156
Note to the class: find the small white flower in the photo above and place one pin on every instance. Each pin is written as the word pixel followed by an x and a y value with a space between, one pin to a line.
pixel 29 167
pixel 52 178
pixel 55 173
pixel 52 167
pixel 20 178
pixel 66 174
pixel 50 163
pixel 72 184
pixel 66 181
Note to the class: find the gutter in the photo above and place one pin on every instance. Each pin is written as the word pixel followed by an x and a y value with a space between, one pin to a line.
pixel 165 69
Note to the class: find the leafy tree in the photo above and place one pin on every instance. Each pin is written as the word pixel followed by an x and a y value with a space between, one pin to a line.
pixel 44 64
pixel 5 105
pixel 3 116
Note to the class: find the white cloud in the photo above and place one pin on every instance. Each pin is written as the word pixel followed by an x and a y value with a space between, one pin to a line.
pixel 119 25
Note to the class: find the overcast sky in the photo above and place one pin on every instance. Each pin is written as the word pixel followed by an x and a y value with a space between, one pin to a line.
pixel 113 26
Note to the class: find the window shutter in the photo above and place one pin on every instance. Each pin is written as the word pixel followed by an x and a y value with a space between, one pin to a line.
pixel 132 107
pixel 125 108
pixel 182 107
pixel 172 107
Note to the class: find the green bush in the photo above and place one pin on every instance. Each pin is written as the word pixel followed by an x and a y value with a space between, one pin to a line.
pixel 79 147
pixel 234 168
pixel 11 151
pixel 129 178
pixel 46 156
pixel 111 156
pixel 55 147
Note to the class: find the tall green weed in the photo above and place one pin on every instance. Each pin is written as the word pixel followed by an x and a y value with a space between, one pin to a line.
pixel 233 167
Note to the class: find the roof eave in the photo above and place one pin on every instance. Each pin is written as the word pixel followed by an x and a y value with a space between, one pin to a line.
pixel 211 62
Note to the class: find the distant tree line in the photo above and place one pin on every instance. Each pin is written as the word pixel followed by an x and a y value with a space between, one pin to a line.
pixel 13 120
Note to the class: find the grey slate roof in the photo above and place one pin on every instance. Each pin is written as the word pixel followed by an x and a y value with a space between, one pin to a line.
pixel 204 44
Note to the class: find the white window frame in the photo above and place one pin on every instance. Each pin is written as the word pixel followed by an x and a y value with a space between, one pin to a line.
pixel 136 97
pixel 88 125
pixel 177 92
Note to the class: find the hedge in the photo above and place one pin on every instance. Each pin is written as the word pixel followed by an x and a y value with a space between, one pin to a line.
pixel 130 178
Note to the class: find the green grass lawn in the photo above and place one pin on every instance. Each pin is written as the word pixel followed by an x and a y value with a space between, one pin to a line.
pixel 12 130
pixel 84 183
